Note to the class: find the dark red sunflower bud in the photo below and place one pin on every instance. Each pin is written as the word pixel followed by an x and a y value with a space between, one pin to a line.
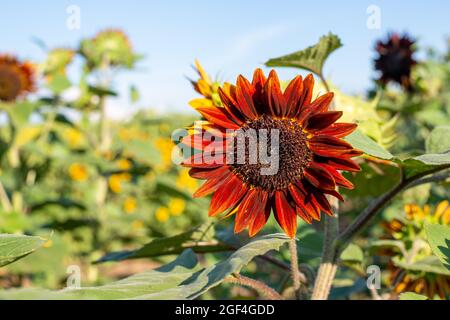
pixel 395 60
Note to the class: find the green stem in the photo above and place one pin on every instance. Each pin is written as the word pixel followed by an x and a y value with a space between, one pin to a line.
pixel 6 203
pixel 328 267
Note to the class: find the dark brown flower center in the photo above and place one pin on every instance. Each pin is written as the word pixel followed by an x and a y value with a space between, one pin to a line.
pixel 284 143
pixel 10 85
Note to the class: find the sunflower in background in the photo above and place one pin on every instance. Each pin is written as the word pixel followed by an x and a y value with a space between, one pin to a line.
pixel 110 46
pixel 78 172
pixel 204 86
pixel 17 79
pixel 410 231
pixel 395 60
pixel 57 61
pixel 165 147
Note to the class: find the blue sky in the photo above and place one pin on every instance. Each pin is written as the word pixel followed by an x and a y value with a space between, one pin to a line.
pixel 229 37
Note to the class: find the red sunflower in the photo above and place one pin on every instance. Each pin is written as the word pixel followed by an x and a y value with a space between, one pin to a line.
pixel 16 78
pixel 310 153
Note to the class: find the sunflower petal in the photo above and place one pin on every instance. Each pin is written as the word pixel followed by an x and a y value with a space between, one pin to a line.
pixel 227 196
pixel 212 185
pixel 275 98
pixel 260 218
pixel 292 96
pixel 244 95
pixel 329 146
pixel 231 106
pixel 319 177
pixel 285 214
pixel 219 117
pixel 252 205
pixel 307 92
pixel 339 130
pixel 321 104
pixel 322 120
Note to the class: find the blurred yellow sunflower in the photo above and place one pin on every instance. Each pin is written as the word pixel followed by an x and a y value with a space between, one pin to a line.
pixel 165 147
pixel 410 231
pixel 115 181
pixel 17 78
pixel 185 181
pixel 207 88
pixel 73 137
pixel 162 214
pixel 78 172
pixel 124 164
pixel 130 205
pixel 176 206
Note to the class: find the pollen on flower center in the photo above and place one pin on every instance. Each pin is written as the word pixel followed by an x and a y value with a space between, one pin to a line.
pixel 293 157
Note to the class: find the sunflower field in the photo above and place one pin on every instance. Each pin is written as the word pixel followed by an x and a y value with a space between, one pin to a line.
pixel 148 207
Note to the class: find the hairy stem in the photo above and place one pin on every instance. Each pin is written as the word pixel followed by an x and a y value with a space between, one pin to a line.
pixel 260 287
pixel 295 272
pixel 328 267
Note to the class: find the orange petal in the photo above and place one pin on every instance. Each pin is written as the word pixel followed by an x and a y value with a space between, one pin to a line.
pixel 338 178
pixel 260 219
pixel 319 177
pixel 321 104
pixel 227 196
pixel 230 105
pixel 285 214
pixel 322 120
pixel 218 116
pixel 212 185
pixel 252 205
pixel 204 174
pixel 302 200
pixel 292 95
pixel 308 88
pixel 329 146
pixel 341 164
pixel 244 96
pixel 275 98
pixel 339 130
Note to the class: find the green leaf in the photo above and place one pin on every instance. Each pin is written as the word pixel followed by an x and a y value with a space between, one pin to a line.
pixel 439 239
pixel 199 239
pixel 14 247
pixel 180 279
pixel 412 296
pixel 21 112
pixel 397 244
pixel 352 253
pixel 214 275
pixel 311 58
pixel 438 141
pixel 154 282
pixel 424 164
pixel 362 142
pixel 429 264
pixel 99 91
pixel 58 84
